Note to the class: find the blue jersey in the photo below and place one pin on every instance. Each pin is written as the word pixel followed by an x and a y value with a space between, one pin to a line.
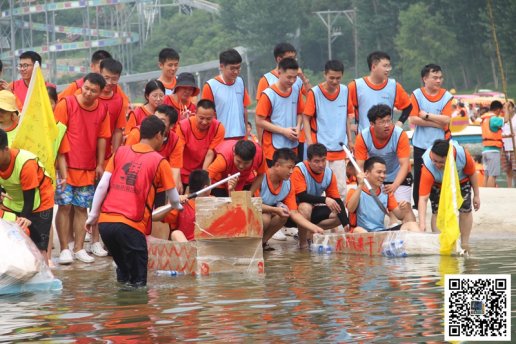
pixel 368 214
pixel 331 118
pixel 388 152
pixel 270 198
pixel 229 105
pixel 460 162
pixel 368 97
pixel 312 186
pixel 424 137
pixel 283 114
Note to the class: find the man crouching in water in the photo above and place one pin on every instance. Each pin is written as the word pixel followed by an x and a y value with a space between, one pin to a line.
pixel 124 199
pixel 365 213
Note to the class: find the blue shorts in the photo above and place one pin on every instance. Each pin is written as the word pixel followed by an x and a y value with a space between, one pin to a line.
pixel 80 196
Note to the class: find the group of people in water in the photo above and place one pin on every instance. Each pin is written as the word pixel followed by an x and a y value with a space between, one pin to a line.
pixel 122 162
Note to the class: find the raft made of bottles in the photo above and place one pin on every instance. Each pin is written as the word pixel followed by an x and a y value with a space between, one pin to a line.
pixel 384 243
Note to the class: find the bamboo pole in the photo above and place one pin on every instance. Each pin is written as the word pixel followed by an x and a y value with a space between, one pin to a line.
pixel 500 66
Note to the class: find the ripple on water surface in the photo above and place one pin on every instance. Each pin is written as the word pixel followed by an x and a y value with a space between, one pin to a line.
pixel 302 298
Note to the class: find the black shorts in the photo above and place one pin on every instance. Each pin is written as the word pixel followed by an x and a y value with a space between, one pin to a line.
pixel 319 213
pixel 40 227
pixel 392 229
pixel 409 179
pixel 465 190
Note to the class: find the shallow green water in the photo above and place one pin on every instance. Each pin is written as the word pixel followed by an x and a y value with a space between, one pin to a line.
pixel 302 298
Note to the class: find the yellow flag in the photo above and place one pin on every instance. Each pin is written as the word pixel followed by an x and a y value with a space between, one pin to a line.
pixel 37 129
pixel 450 201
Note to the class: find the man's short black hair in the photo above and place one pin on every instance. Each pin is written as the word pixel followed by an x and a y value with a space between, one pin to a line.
pixel 96 79
pixel 206 104
pixel 282 48
pixel 111 65
pixel 316 149
pixel 369 163
pixel 440 147
pixel 495 105
pixel 168 54
pixel 286 154
pixel 246 150
pixel 168 111
pixel 334 65
pixel 429 68
pixel 32 55
pixel 375 57
pixel 151 126
pixel 288 63
pixel 197 180
pixel 3 139
pixel 230 57
pixel 100 55
pixel 378 112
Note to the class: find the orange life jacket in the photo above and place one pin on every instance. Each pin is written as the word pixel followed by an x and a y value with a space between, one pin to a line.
pixel 490 138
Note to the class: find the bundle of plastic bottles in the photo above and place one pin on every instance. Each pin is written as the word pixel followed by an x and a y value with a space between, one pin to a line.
pixel 22 267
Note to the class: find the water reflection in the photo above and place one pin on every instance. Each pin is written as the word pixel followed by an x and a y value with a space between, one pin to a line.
pixel 302 298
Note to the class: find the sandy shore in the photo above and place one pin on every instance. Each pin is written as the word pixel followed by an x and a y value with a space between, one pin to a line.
pixel 497 211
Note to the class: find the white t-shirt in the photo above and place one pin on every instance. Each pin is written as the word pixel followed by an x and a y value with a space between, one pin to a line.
pixel 507 141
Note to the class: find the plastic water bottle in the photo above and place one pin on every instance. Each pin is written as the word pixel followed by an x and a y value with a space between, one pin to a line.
pixel 324 249
pixel 394 249
pixel 171 273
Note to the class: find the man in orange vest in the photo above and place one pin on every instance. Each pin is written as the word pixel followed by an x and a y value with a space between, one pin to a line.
pixel 201 134
pixel 20 87
pixel 241 156
pixel 87 122
pixel 492 142
pixel 123 201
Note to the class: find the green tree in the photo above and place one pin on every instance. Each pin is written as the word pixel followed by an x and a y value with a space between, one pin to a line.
pixel 417 44
pixel 198 38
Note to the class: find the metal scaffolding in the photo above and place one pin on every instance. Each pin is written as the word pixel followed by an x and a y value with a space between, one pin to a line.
pixel 65 33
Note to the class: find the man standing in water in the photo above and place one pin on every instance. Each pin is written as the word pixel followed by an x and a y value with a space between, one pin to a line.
pixel 124 198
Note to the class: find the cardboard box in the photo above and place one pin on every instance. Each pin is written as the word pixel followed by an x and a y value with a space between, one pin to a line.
pixel 204 257
pixel 172 255
pixel 228 217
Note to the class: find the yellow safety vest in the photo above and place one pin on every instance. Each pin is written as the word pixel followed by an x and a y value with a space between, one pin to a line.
pixel 12 185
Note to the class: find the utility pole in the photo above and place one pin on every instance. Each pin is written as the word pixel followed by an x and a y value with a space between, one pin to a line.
pixel 329 18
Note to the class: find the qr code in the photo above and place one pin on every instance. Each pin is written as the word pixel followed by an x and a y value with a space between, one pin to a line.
pixel 477 307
